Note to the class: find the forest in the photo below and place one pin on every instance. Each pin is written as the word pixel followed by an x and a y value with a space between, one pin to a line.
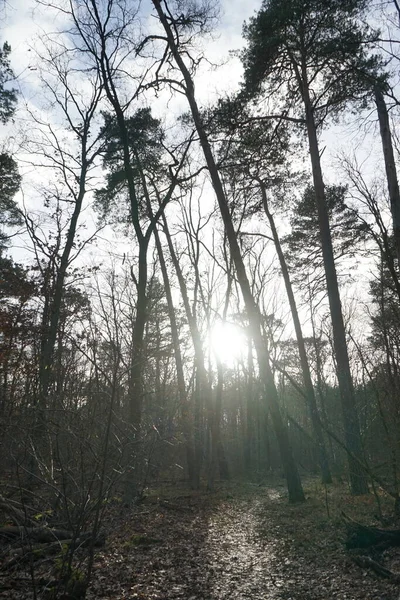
pixel 200 300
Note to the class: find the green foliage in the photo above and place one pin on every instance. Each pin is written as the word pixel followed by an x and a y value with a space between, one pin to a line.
pixel 305 248
pixel 145 137
pixel 9 184
pixel 10 181
pixel 75 302
pixel 316 44
pixel 9 177
pixel 8 96
pixel 245 142
pixel 139 539
pixel 14 280
pixel 43 515
pixel 249 149
pixel 385 319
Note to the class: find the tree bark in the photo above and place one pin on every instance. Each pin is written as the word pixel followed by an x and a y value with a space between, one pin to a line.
pixel 135 390
pixel 350 418
pixel 390 166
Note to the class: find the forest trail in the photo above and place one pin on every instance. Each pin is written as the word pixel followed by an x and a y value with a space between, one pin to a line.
pixel 241 563
pixel 241 544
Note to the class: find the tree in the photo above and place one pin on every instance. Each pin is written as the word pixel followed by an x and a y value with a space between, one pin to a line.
pixel 390 165
pixel 8 96
pixel 15 285
pixel 315 54
pixel 10 178
pixel 307 380
pixel 172 27
pixel 202 388
pixel 370 204
pixel 193 467
pixel 18 329
pixel 140 175
pixel 256 159
pixel 305 254
pixel 64 146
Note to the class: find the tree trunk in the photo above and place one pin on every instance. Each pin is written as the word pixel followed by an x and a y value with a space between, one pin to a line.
pixel 135 391
pixel 390 166
pixel 295 489
pixel 202 388
pixel 305 368
pixel 249 441
pixel 350 418
pixel 217 450
pixel 54 304
pixel 183 400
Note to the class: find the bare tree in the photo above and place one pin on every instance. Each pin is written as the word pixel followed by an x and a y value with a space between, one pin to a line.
pixel 71 167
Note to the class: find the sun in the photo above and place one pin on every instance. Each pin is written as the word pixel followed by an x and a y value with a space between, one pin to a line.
pixel 228 342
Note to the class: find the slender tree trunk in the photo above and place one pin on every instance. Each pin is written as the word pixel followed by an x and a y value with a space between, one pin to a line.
pixel 217 448
pixel 202 388
pixel 222 460
pixel 218 457
pixel 295 489
pixel 214 420
pixel 350 418
pixel 305 368
pixel 183 400
pixel 135 390
pixel 54 303
pixel 250 420
pixel 390 166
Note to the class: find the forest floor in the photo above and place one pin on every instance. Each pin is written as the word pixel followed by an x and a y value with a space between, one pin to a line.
pixel 243 542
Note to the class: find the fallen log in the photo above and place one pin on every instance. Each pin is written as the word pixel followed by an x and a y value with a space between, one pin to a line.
pixel 16 511
pixel 26 554
pixel 365 536
pixel 40 551
pixel 177 507
pixel 37 534
pixel 366 562
pixel 46 535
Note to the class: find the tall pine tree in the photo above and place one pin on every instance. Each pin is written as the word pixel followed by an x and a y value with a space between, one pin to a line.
pixel 313 55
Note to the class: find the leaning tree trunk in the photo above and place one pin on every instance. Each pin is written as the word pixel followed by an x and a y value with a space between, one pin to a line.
pixel 295 489
pixel 305 367
pixel 390 166
pixel 350 418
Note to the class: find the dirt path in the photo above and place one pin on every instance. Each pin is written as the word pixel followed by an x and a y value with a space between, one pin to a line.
pixel 241 563
pixel 263 549
pixel 244 545
pixel 246 542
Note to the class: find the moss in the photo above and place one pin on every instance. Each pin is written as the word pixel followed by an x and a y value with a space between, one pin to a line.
pixel 140 539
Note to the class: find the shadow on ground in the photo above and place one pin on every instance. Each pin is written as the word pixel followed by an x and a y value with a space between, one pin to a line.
pixel 244 542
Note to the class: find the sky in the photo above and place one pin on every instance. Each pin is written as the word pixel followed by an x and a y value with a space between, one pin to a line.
pixel 24 20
